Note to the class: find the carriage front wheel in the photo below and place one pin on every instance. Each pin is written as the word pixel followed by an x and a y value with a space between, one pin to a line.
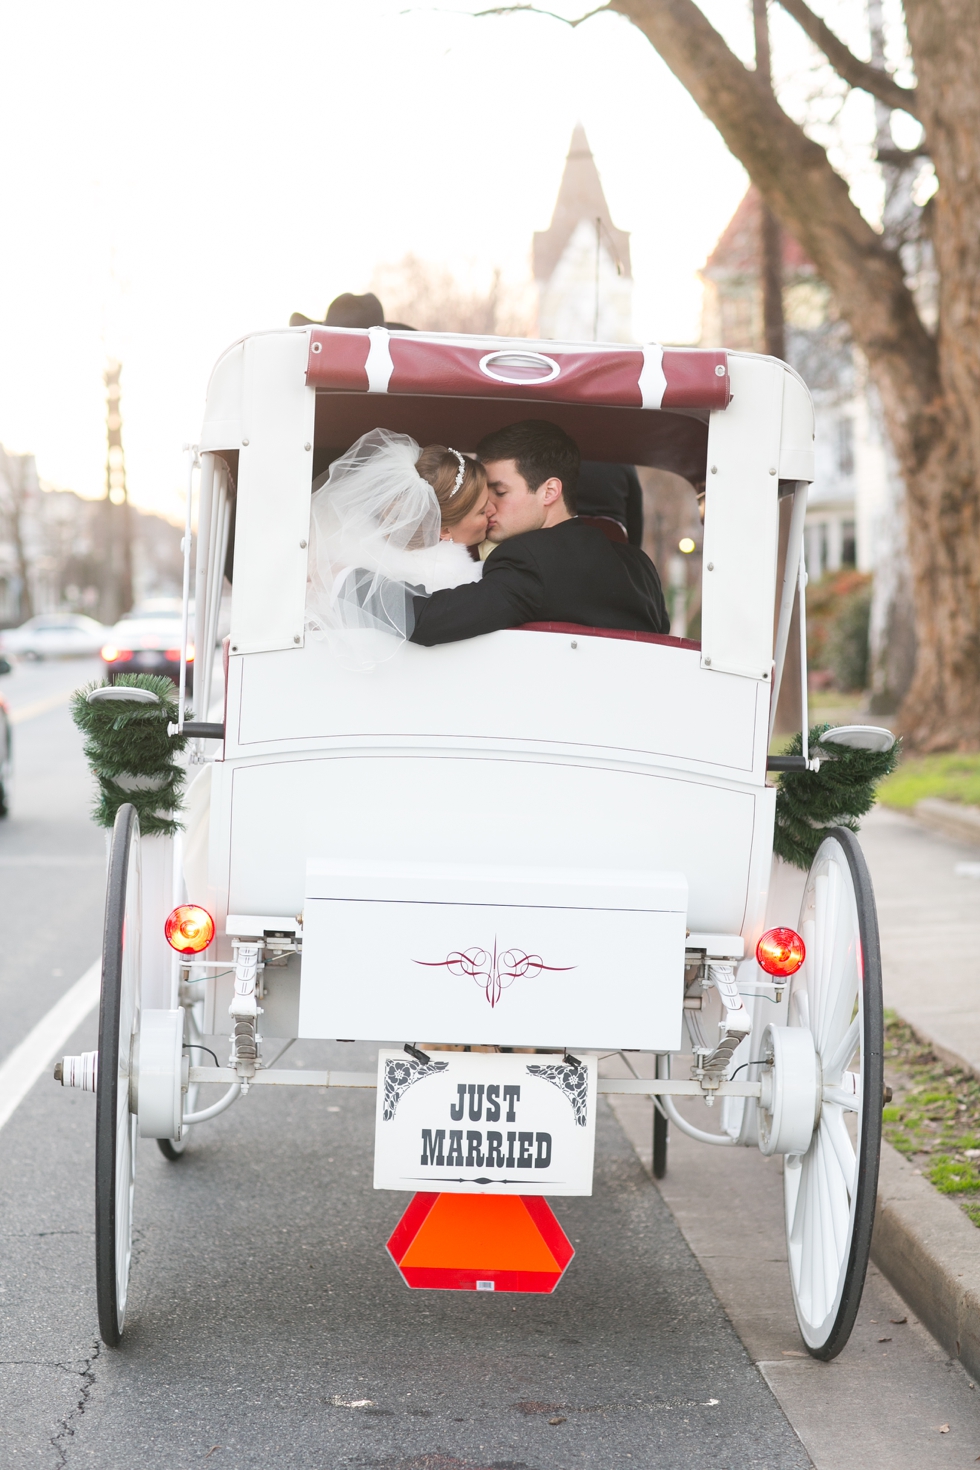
pixel 830 1190
pixel 115 1115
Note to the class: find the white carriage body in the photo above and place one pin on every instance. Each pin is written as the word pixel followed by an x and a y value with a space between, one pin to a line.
pixel 510 840
pixel 550 837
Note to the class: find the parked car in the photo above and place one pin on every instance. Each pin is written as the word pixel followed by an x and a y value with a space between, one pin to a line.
pixel 54 635
pixel 147 641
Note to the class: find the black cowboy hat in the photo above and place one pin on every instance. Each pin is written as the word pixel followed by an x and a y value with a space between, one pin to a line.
pixel 349 310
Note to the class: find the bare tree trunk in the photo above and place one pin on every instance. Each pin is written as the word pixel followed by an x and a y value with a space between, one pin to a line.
pixel 16 507
pixel 109 608
pixel 892 625
pixel 25 600
pixel 789 708
pixel 124 583
pixel 941 458
pixel 929 387
pixel 773 322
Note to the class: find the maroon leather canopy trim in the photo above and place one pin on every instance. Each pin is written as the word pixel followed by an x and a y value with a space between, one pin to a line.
pixel 339 361
pixel 423 363
pixel 693 379
pixel 453 371
pixel 632 636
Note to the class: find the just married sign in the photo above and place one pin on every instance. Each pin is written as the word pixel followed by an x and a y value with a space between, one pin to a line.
pixel 477 1122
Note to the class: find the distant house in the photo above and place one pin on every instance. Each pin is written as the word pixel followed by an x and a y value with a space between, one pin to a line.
pixel 849 496
pixel 53 547
pixel 582 261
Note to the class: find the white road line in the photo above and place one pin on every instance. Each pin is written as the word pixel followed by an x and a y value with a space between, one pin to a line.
pixel 41 1046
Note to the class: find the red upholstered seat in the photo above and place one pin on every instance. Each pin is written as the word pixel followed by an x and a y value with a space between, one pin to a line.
pixel 580 630
pixel 611 528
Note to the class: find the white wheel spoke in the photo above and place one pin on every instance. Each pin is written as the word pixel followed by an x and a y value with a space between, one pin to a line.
pixel 795 1230
pixel 833 1127
pixel 837 1201
pixel 827 904
pixel 827 1254
pixel 811 1235
pixel 838 969
pixel 833 1066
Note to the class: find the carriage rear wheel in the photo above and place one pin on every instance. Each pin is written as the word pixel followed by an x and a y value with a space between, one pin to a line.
pixel 831 1189
pixel 115 1115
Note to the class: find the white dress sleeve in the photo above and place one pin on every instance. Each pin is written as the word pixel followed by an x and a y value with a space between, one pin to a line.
pixel 450 565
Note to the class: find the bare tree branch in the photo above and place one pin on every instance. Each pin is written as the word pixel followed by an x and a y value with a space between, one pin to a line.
pixel 534 10
pixel 802 188
pixel 855 72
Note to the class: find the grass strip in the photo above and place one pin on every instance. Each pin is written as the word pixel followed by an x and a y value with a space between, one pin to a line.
pixel 933 1117
pixel 953 777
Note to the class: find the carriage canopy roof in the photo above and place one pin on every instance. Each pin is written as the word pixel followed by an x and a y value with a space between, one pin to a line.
pixel 601 394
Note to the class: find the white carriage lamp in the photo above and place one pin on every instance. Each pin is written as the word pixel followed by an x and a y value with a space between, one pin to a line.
pixel 189 929
pixel 780 952
pixel 859 737
pixel 113 693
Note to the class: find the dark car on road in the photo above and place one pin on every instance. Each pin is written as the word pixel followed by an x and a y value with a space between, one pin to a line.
pixel 147 641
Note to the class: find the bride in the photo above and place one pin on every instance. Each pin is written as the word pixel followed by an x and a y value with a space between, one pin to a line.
pixel 392 521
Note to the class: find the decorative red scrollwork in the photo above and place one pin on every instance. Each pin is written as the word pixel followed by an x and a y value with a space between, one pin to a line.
pixel 494 970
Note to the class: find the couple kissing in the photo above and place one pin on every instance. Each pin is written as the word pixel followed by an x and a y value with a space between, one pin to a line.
pixel 395 531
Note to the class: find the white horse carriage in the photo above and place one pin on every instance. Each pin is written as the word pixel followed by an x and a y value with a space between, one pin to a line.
pixel 552 839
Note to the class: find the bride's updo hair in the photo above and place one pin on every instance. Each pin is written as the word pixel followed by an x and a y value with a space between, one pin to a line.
pixel 439 466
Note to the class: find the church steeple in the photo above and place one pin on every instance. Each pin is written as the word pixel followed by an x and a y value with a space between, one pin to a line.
pixel 582 261
pixel 580 199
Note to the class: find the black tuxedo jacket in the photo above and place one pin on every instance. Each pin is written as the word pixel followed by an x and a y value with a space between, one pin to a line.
pixel 569 573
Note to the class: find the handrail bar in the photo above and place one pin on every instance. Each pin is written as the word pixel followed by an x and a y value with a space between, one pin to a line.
pixel 636 1086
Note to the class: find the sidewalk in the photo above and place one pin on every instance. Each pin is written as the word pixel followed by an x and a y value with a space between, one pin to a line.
pixel 896 1397
pixel 884 1401
pixel 929 916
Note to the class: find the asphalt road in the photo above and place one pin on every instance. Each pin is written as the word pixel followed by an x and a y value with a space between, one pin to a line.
pixel 52 858
pixel 268 1327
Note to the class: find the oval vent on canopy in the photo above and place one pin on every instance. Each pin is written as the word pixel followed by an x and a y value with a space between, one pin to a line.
pixel 526 368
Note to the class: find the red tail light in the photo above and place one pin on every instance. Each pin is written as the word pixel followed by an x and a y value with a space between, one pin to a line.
pixel 112 654
pixel 189 929
pixel 780 952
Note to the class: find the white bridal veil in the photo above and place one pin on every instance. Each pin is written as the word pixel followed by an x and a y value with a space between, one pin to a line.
pixel 374 543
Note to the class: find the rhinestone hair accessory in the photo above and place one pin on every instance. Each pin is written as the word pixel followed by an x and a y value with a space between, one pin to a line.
pixel 461 472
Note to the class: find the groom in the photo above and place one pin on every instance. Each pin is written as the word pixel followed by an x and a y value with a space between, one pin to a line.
pixel 547 566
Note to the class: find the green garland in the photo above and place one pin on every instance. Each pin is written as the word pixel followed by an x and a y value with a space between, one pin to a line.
pixel 835 796
pixel 131 755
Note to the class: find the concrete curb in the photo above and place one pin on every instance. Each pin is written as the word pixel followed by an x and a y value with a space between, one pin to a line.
pixel 951 818
pixel 930 1252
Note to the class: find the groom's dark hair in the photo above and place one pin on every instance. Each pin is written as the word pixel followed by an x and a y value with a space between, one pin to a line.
pixel 541 452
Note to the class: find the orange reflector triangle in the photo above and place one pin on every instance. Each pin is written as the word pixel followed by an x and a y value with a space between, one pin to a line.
pixel 480 1242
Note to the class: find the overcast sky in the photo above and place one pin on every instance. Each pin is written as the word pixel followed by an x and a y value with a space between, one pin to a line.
pixel 174 176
